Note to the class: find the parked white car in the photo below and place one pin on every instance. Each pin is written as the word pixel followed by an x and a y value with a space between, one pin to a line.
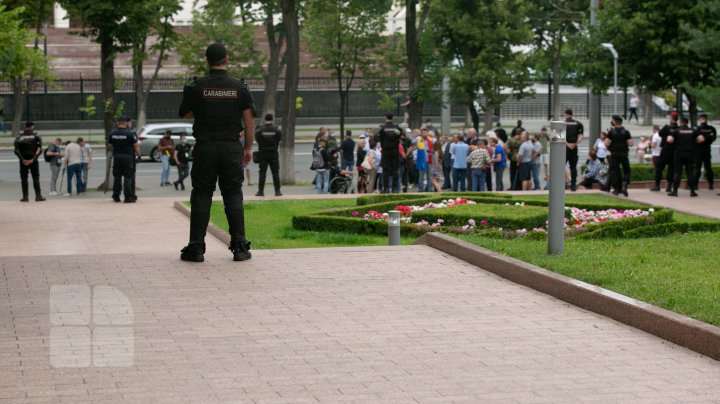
pixel 150 134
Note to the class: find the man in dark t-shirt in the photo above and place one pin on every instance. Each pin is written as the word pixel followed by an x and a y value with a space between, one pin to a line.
pixel 619 141
pixel 180 154
pixel 685 140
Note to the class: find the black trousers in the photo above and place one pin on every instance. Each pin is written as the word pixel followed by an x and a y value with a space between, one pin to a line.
pixel 488 180
pixel 616 179
pixel 217 162
pixel 183 172
pixel 269 158
pixel 123 173
pixel 686 161
pixel 703 157
pixel 571 156
pixel 389 176
pixel 514 177
pixel 667 159
pixel 447 174
pixel 34 170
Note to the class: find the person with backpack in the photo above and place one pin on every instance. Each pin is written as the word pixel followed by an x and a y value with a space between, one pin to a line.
pixel 180 157
pixel 320 166
pixel 53 155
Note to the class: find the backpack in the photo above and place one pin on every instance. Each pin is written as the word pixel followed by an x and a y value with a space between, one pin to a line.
pixel 48 158
pixel 318 161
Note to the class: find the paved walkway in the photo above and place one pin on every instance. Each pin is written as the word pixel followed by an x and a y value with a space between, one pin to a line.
pixel 393 324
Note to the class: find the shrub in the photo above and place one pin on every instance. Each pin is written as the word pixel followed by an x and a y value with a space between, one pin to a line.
pixel 317 222
pixel 645 172
pixel 666 229
pixel 404 198
pixel 617 228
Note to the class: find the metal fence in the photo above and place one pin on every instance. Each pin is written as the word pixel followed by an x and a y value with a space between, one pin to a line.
pixel 62 100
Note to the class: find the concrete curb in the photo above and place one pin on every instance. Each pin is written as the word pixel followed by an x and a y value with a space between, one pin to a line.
pixel 219 233
pixel 695 335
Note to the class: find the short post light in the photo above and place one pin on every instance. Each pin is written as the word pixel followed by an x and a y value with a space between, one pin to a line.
pixel 394 227
pixel 556 205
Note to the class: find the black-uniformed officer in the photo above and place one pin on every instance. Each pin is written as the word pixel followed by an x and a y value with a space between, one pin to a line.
pixel 685 140
pixel 389 137
pixel 619 141
pixel 574 132
pixel 124 144
pixel 222 107
pixel 667 155
pixel 703 152
pixel 28 147
pixel 268 138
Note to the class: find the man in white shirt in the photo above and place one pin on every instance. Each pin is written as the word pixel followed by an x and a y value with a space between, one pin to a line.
pixel 86 161
pixel 655 145
pixel 73 164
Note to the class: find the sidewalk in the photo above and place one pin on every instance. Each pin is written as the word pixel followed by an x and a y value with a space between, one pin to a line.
pixel 390 324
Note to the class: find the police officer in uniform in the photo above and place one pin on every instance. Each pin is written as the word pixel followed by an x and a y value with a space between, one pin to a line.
pixel 685 140
pixel 574 131
pixel 124 144
pixel 667 155
pixel 268 138
pixel 222 107
pixel 619 141
pixel 703 153
pixel 389 137
pixel 28 147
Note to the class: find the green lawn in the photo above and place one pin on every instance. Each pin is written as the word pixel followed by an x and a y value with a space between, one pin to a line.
pixel 679 273
pixel 269 225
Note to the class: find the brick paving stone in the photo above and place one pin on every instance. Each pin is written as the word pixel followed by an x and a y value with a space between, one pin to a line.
pixel 414 325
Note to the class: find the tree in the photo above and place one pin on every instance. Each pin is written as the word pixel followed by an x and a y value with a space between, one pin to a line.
pixel 290 16
pixel 152 19
pixel 703 38
pixel 30 13
pixel 275 33
pixel 553 22
pixel 417 81
pixel 649 41
pixel 344 35
pixel 220 22
pixel 476 40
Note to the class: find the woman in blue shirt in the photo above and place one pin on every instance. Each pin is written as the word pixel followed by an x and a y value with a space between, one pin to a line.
pixel 500 162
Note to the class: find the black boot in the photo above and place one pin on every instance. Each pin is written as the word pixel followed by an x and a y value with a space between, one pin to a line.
pixel 241 250
pixel 194 252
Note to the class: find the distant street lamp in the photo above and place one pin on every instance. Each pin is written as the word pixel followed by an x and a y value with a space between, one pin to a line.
pixel 612 50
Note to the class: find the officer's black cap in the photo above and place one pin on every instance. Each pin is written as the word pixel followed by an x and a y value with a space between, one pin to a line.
pixel 124 118
pixel 269 117
pixel 617 118
pixel 569 111
pixel 29 124
pixel 389 116
pixel 215 53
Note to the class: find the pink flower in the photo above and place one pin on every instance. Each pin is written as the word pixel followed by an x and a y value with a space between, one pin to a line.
pixel 355 213
pixel 483 222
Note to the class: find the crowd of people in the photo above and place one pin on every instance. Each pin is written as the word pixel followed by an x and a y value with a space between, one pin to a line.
pixel 394 158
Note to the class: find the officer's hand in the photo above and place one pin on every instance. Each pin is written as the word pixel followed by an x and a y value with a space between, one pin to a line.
pixel 247 157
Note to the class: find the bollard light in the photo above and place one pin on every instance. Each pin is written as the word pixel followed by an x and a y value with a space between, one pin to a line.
pixel 394 227
pixel 556 204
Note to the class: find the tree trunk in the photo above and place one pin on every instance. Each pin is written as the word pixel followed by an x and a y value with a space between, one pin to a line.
pixel 488 118
pixel 474 116
pixel 412 44
pixel 107 79
pixel 273 70
pixel 292 72
pixel 18 104
pixel 139 94
pixel 692 107
pixel 648 108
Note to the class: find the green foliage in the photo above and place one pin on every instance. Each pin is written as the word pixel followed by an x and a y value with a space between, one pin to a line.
pixel 89 108
pixel 219 22
pixel 17 61
pixel 152 18
pixel 114 111
pixel 476 39
pixel 618 228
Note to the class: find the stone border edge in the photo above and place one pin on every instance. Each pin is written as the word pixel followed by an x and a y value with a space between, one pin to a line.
pixel 219 233
pixel 695 335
